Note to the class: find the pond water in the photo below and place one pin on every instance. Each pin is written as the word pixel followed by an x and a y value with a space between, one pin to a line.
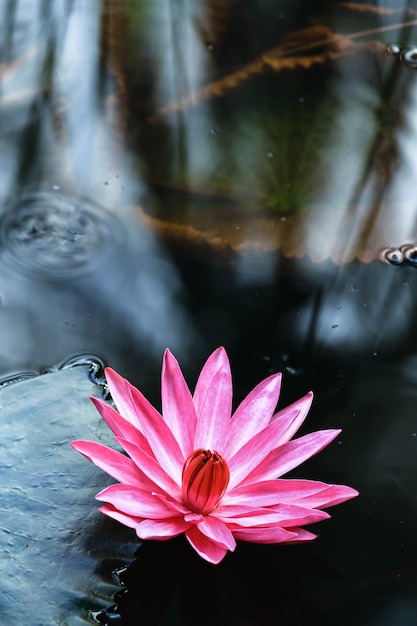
pixel 186 175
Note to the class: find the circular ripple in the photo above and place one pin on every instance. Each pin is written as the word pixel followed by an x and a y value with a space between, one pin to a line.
pixel 55 234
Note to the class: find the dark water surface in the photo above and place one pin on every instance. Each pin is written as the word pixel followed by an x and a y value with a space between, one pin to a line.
pixel 189 175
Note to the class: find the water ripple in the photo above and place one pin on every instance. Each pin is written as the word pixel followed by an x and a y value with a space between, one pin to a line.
pixel 55 234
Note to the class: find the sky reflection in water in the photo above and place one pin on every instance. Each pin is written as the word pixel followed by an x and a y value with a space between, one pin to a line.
pixel 186 176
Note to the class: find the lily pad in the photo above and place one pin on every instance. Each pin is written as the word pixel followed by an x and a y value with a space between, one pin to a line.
pixel 54 544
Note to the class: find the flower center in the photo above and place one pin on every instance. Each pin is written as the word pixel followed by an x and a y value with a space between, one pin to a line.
pixel 205 477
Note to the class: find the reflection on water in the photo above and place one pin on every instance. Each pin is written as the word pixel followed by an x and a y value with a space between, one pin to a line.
pixel 185 175
pixel 232 591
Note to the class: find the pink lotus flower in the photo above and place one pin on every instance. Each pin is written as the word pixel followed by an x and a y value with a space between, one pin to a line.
pixel 194 469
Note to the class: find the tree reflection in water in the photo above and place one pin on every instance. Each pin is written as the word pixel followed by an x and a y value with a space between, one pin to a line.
pixel 188 175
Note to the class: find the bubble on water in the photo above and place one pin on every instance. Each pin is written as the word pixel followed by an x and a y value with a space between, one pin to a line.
pixel 409 57
pixel 393 48
pixel 410 254
pixel 402 255
pixel 55 235
pixel 393 256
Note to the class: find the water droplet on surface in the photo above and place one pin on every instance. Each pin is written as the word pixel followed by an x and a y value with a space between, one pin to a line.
pixel 393 48
pixel 54 234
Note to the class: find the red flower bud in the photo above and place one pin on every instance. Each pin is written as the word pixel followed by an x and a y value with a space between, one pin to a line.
pixel 205 477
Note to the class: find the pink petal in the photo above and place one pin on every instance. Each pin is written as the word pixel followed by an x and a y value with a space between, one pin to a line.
pixel 114 463
pixel 282 514
pixel 121 393
pixel 177 404
pixel 257 449
pixel 253 414
pixel 163 444
pixel 269 492
pixel 302 535
pixel 151 468
pixel 119 425
pixel 128 520
pixel 133 405
pixel 213 402
pixel 110 416
pixel 295 515
pixel 273 534
pixel 161 529
pixel 300 408
pixel 290 455
pixel 217 531
pixel 177 507
pixel 134 501
pixel 334 494
pixel 239 516
pixel 206 548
